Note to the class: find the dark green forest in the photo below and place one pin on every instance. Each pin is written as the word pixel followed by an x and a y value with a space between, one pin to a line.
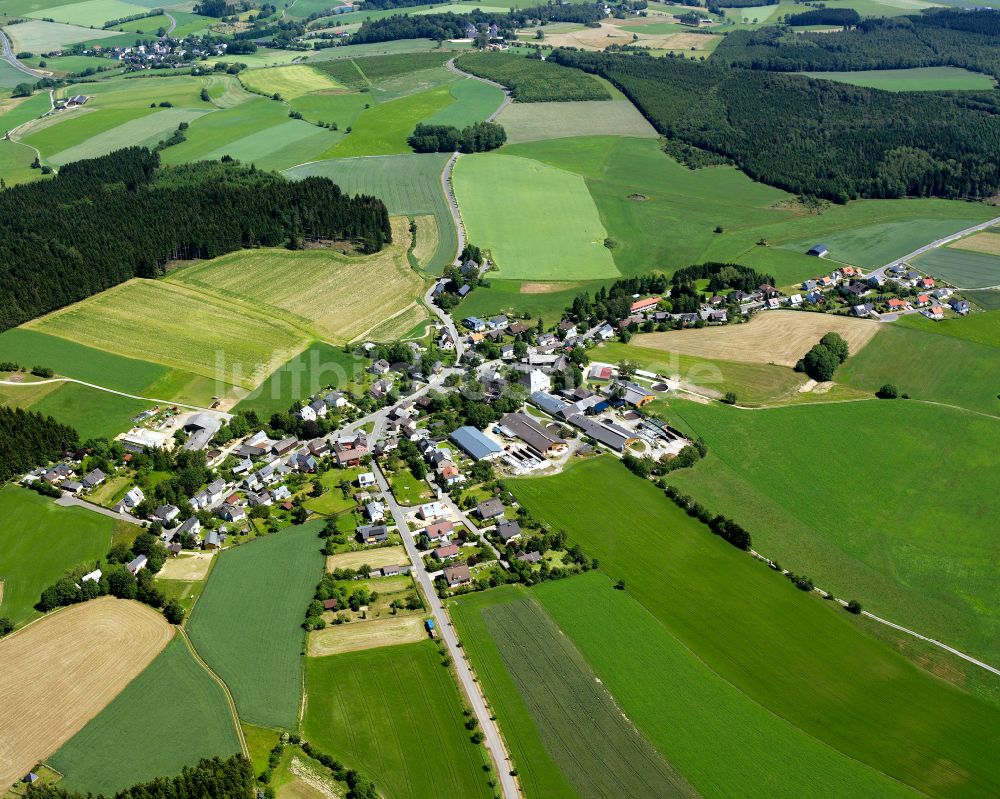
pixel 29 439
pixel 814 137
pixel 478 138
pixel 102 221
pixel 825 16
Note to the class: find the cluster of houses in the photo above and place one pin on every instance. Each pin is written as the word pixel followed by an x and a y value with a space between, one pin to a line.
pixel 155 54
pixel 63 476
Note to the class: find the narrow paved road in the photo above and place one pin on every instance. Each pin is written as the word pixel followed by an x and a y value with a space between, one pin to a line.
pixel 68 501
pixel 449 195
pixel 173 23
pixel 935 244
pixel 493 741
pixel 448 323
pixel 11 58
pixel 508 98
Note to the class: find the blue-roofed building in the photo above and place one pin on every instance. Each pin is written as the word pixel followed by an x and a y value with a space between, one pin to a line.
pixel 818 251
pixel 474 323
pixel 476 444
pixel 547 402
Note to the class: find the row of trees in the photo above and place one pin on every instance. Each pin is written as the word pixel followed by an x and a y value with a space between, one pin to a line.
pixel 104 220
pixel 29 439
pixel 825 16
pixel 476 138
pixel 723 527
pixel 614 303
pixel 815 138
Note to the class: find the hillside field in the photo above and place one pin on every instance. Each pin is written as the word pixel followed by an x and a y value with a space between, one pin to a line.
pixel 39 540
pixel 792 653
pixel 248 623
pixel 922 79
pixel 474 101
pixel 534 121
pixel 170 716
pixel 394 714
pixel 539 222
pixel 289 82
pixel 962 267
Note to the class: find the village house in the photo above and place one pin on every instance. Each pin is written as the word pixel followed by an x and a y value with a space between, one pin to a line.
pixel 93 479
pixel 373 534
pixel 366 479
pixel 457 575
pixel 644 304
pixel 959 306
pixel 431 511
pixel 526 429
pixel 137 565
pixel 375 511
pixel 190 527
pixel 508 531
pixel 529 557
pixel 490 509
pixel 446 552
pixel 440 531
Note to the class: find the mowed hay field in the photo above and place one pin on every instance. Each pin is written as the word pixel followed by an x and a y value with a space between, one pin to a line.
pixel 368 634
pixel 539 222
pixel 376 558
pixel 248 623
pixel 57 674
pixel 535 121
pixel 797 656
pixel 167 323
pixel 338 296
pixel 290 82
pixel 779 337
pixel 170 716
pixel 394 714
pixel 965 267
pixel 38 542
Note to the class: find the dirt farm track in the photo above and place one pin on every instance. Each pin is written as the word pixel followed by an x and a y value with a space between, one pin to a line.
pixel 61 671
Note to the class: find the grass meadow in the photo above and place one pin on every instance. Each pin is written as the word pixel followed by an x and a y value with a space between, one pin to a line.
pixel 90 12
pixel 168 717
pixel 981 328
pixel 539 222
pixel 798 657
pixel 962 268
pixel 247 624
pixel 289 81
pixel 92 412
pixel 474 101
pixel 394 713
pixel 36 36
pixel 536 121
pixel 38 542
pixel 922 79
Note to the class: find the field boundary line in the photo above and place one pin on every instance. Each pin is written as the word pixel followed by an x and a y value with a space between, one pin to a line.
pixel 225 689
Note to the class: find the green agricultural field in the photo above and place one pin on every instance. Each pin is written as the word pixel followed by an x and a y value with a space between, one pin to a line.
pixel 474 101
pixel 922 79
pixel 93 413
pixel 290 82
pixel 340 109
pixel 15 163
pixel 962 268
pixel 394 714
pixel 168 717
pixel 35 36
pixel 383 130
pixel 317 366
pixel 74 129
pixel 248 623
pixel 797 656
pixel 928 366
pixel 982 328
pixel 212 337
pixel 533 81
pixel 408 184
pixel 380 68
pixel 91 13
pixel 14 112
pixel 38 542
pixel 513 296
pixel 690 713
pixel 539 222
pixel 604 756
pixel 538 121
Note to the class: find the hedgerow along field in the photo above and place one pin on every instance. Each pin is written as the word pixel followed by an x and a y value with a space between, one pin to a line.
pixel 921 79
pixel 248 623
pixel 533 81
pixel 395 715
pixel 605 755
pixel 40 540
pixel 170 716
pixel 796 656
pixel 408 184
pixel 539 222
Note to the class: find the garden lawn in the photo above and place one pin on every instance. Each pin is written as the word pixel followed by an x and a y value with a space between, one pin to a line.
pixel 394 713
pixel 921 79
pixel 170 716
pixel 316 367
pixel 40 540
pixel 247 624
pixel 798 657
pixel 539 222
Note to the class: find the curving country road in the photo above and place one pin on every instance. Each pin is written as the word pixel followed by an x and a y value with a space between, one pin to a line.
pixel 508 98
pixel 173 23
pixel 11 58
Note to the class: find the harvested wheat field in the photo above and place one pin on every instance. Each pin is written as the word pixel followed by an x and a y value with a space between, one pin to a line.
pixel 187 567
pixel 533 287
pixel 60 672
pixel 376 558
pixel 984 242
pixel 778 337
pixel 609 34
pixel 355 635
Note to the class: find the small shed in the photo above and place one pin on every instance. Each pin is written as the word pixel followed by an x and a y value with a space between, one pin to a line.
pixel 818 251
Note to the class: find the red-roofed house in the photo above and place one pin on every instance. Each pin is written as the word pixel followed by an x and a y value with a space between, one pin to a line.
pixel 600 372
pixel 441 531
pixel 922 300
pixel 898 305
pixel 926 283
pixel 446 552
pixel 644 305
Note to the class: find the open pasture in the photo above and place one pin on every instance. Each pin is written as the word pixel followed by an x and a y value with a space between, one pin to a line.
pixel 921 79
pixel 539 222
pixel 380 68
pixel 59 673
pixel 532 122
pixel 40 540
pixel 375 558
pixel 426 243
pixel 90 13
pixel 357 635
pixel 474 101
pixel 36 36
pixel 247 624
pixel 981 328
pixel 409 185
pixel 799 657
pixel 341 108
pixel 92 412
pixel 986 242
pixel 337 296
pixel 170 716
pixel 609 33
pixel 210 336
pixel 76 127
pixel 17 111
pixel 290 81
pixel 394 713
pixel 604 756
pixel 778 337
pixel 965 267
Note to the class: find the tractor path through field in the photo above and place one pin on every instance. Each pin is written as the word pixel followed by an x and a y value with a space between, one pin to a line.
pixel 494 743
pixel 68 501
pixel 113 391
pixel 449 193
pixel 173 23
pixel 222 684
pixel 10 58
